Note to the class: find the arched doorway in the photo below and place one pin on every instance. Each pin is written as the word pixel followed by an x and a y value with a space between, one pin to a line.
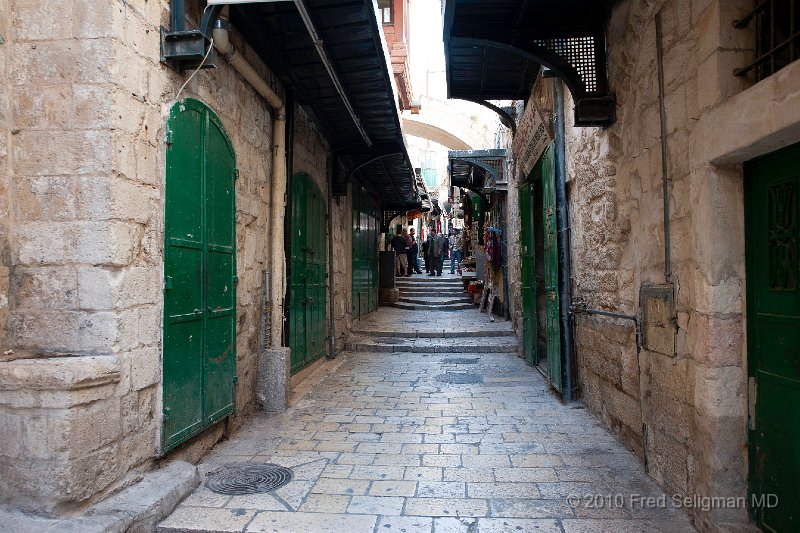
pixel 307 285
pixel 199 361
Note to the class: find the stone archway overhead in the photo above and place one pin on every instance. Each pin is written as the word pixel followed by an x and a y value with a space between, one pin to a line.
pixel 435 134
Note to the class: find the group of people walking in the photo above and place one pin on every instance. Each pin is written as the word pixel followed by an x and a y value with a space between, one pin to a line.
pixel 434 251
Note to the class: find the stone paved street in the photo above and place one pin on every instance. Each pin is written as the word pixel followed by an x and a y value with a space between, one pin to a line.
pixel 379 441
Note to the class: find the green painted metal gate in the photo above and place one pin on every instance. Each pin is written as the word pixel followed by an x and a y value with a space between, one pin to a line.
pixel 199 360
pixel 772 210
pixel 530 323
pixel 307 286
pixel 552 308
pixel 366 229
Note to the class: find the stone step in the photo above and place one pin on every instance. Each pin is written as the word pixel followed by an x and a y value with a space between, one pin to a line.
pixel 431 307
pixel 434 334
pixel 433 345
pixel 424 278
pixel 430 286
pixel 431 292
pixel 434 301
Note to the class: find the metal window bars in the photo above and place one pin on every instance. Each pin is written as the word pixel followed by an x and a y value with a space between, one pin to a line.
pixel 777 36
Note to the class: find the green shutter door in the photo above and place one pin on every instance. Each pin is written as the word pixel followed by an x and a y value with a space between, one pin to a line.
pixel 772 206
pixel 527 267
pixel 365 248
pixel 551 270
pixel 307 286
pixel 199 361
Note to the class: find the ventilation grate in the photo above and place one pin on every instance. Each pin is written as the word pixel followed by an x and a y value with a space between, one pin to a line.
pixel 246 478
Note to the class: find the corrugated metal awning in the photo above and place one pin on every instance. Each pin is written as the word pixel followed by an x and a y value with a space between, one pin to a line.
pixel 373 143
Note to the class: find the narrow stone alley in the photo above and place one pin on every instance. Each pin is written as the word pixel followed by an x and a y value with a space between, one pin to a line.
pixel 427 423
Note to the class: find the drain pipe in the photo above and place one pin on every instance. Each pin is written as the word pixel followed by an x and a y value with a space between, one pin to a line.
pixel 222 43
pixel 332 164
pixel 664 167
pixel 564 256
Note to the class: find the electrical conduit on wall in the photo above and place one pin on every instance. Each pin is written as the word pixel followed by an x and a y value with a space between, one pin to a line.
pixel 277 194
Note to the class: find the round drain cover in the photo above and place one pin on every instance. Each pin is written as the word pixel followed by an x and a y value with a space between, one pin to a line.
pixel 239 479
pixel 459 378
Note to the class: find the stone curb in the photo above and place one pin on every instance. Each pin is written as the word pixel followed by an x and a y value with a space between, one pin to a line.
pixel 140 507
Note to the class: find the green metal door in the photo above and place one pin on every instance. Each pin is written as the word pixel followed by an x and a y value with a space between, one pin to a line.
pixel 199 361
pixel 307 286
pixel 551 270
pixel 366 228
pixel 530 324
pixel 772 207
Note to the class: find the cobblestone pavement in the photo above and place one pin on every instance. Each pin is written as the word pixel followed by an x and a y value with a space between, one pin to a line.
pixel 436 441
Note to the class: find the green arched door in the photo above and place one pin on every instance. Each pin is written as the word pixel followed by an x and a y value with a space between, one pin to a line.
pixel 307 283
pixel 199 360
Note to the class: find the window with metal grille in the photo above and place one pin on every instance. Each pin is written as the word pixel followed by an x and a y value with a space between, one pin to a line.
pixel 386 11
pixel 777 36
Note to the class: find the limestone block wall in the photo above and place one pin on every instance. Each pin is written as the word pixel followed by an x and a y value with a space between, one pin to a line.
pixel 84 103
pixel 5 168
pixel 683 413
pixel 342 212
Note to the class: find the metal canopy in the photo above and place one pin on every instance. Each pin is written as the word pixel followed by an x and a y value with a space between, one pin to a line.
pixel 494 51
pixel 478 170
pixel 372 145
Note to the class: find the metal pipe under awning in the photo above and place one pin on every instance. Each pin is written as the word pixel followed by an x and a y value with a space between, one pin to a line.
pixel 319 44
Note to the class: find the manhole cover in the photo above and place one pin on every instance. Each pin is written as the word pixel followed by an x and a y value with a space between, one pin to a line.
pixel 239 479
pixel 458 378
pixel 461 361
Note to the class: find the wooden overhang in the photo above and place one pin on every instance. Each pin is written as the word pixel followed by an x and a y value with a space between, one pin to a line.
pixel 495 49
pixel 368 141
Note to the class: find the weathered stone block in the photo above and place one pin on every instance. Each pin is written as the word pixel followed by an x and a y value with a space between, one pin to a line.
pixel 45 287
pixel 718 341
pixel 44 198
pixel 66 61
pixel 149 331
pixel 55 153
pixel 107 243
pixel 35 20
pixel 720 392
pixel 110 288
pixel 145 367
pixel 68 332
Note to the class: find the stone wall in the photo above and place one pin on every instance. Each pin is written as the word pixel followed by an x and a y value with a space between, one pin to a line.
pixel 5 167
pixel 84 107
pixel 342 212
pixel 683 412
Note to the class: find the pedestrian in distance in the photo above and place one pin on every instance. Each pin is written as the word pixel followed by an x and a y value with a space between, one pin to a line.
pixel 426 253
pixel 413 252
pixel 439 251
pixel 456 254
pixel 400 246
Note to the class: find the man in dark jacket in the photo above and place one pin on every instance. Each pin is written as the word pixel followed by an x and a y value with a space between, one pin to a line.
pixel 400 247
pixel 413 253
pixel 438 251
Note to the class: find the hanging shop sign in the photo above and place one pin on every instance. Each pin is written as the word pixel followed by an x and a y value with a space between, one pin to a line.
pixel 531 140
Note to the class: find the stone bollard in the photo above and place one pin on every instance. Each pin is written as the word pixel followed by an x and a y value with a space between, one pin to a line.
pixel 272 387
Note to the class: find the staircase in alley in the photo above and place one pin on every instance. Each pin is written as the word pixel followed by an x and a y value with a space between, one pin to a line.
pixel 429 293
pixel 423 321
